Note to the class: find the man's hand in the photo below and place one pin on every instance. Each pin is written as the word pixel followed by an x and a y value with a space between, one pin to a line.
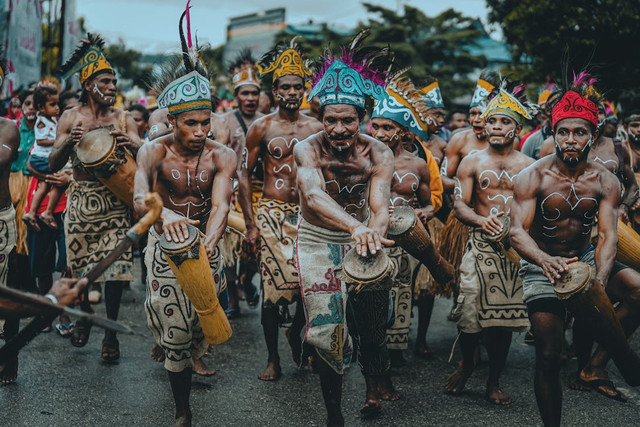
pixel 210 244
pixel 123 140
pixel 369 241
pixel 59 179
pixel 75 135
pixel 623 213
pixel 250 241
pixel 491 224
pixel 67 291
pixel 554 266
pixel 174 227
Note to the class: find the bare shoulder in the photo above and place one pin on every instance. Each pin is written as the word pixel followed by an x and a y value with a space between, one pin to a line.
pixel 437 141
pixel 310 121
pixel 522 159
pixel 8 129
pixel 308 148
pixel 458 140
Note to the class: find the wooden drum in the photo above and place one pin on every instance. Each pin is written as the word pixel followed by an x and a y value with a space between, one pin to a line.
pixel 369 273
pixel 409 233
pixel 112 165
pixel 189 262
pixel 628 246
pixel 501 241
pixel 588 302
pixel 235 223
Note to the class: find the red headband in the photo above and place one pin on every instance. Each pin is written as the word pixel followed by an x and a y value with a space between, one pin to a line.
pixel 572 105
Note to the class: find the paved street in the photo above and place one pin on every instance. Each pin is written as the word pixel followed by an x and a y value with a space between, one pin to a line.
pixel 59 385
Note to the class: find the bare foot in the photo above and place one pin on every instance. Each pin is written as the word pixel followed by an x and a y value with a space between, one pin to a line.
pixel 31 221
pixel 498 397
pixel 157 354
pixel 387 391
pixel 9 372
pixel 201 368
pixel 183 421
pixel 371 407
pixel 48 220
pixel 456 381
pixel 271 373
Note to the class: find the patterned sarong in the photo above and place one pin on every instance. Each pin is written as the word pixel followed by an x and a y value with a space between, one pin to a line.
pixel 18 186
pixel 95 222
pixel 170 315
pixel 490 289
pixel 404 265
pixel 319 253
pixel 277 222
pixel 8 237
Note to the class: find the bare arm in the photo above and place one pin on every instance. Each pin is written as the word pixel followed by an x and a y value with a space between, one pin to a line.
pixel 130 137
pixel 158 124
pixel 380 188
pixel 221 129
pixel 547 147
pixel 451 161
pixel 426 211
pixel 68 135
pixel 10 141
pixel 630 186
pixel 607 226
pixel 221 191
pixel 463 194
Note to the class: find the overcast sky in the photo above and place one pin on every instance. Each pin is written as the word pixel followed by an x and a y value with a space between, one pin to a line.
pixel 151 25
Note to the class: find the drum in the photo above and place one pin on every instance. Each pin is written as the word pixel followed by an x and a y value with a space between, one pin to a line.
pixel 588 302
pixel 501 242
pixel 369 273
pixel 235 223
pixel 189 262
pixel 409 233
pixel 112 165
pixel 628 246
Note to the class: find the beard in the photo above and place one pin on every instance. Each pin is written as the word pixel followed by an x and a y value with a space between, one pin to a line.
pixel 574 161
pixel 289 104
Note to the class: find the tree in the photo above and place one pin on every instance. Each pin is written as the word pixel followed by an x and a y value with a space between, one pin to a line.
pixel 601 35
pixel 126 62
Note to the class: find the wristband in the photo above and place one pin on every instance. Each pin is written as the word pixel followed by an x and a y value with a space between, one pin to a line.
pixel 51 298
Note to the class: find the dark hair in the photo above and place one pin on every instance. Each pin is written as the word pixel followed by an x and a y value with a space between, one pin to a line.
pixel 142 109
pixel 24 94
pixel 65 97
pixel 454 112
pixel 361 112
pixel 42 94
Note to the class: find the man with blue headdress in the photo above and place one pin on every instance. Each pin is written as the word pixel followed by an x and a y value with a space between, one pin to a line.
pixel 343 181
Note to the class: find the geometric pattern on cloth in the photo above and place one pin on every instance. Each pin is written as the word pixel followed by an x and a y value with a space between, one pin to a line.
pixel 404 265
pixel 170 315
pixel 7 240
pixel 500 300
pixel 277 222
pixel 324 296
pixel 96 221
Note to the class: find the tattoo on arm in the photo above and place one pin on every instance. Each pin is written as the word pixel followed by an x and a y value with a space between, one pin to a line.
pixel 457 190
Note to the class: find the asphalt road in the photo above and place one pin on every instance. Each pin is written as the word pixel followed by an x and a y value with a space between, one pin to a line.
pixel 59 385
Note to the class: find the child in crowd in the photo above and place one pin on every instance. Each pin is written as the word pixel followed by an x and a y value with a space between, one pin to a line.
pixel 45 100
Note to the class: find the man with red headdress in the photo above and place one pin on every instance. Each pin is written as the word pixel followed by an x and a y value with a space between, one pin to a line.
pixel 556 201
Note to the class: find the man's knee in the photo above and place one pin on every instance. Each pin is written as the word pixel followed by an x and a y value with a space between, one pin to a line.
pixel 548 360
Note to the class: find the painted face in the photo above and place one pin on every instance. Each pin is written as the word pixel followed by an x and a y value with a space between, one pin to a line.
pixel 102 89
pixel 458 120
pixel 633 128
pixel 15 106
pixel 141 124
pixel 28 109
pixel 435 119
pixel 289 92
pixel 341 125
pixel 573 139
pixel 191 128
pixel 477 122
pixel 247 99
pixel 386 131
pixel 50 107
pixel 501 130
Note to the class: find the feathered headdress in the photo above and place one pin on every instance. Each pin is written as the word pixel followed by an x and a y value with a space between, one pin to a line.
pixel 183 84
pixel 403 103
pixel 87 60
pixel 432 96
pixel 510 101
pixel 283 60
pixel 545 92
pixel 357 73
pixel 487 83
pixel 243 70
pixel 580 100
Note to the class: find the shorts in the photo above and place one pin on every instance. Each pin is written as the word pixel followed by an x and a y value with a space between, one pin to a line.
pixel 47 250
pixel 41 164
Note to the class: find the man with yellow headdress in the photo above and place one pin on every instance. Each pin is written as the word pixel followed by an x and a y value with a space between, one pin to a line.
pixel 96 220
pixel 490 297
pixel 273 138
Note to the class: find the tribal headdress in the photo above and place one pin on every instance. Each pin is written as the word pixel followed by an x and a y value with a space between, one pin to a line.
pixel 579 101
pixel 545 92
pixel 487 82
pixel 88 60
pixel 403 103
pixel 510 101
pixel 243 70
pixel 432 96
pixel 184 86
pixel 284 59
pixel 353 76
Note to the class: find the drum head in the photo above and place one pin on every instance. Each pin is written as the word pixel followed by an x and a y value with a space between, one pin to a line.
pixel 95 146
pixel 177 247
pixel 366 269
pixel 574 280
pixel 401 220
pixel 506 226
